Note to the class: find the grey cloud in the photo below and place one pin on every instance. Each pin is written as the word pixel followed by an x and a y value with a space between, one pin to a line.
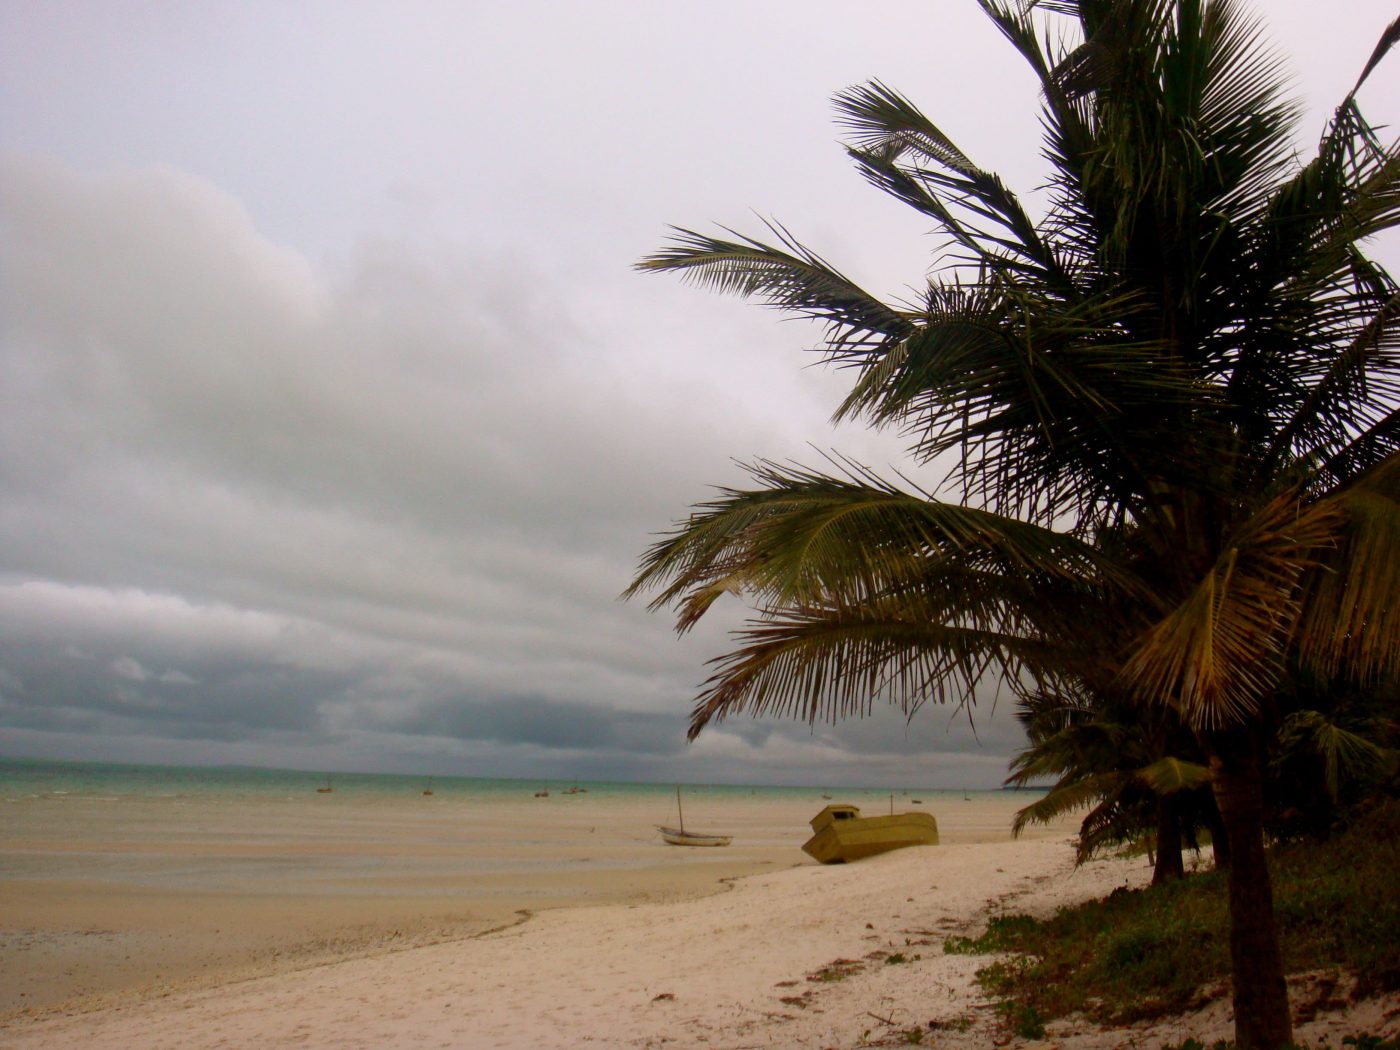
pixel 235 699
pixel 332 441
pixel 545 723
pixel 266 500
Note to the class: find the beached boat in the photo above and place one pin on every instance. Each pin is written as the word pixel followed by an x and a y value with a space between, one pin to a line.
pixel 680 837
pixel 841 834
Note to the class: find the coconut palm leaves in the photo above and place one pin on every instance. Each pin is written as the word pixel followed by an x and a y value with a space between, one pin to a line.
pixel 1190 332
pixel 866 592
pixel 1343 753
pixel 1170 408
pixel 1348 624
pixel 787 276
pixel 1134 773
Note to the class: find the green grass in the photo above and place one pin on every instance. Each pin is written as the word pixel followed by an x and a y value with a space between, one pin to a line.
pixel 1360 1042
pixel 1142 954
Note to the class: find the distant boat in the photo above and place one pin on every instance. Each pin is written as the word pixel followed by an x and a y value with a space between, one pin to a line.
pixel 429 789
pixel 841 834
pixel 680 837
pixel 542 793
pixel 327 789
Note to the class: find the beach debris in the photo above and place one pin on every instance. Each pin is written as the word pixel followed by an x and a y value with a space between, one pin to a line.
pixel 664 997
pixel 836 970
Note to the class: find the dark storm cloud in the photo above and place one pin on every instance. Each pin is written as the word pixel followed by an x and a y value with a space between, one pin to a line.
pixel 405 483
pixel 333 418
pixel 545 723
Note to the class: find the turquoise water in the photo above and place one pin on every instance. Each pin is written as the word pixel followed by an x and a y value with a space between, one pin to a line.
pixel 38 778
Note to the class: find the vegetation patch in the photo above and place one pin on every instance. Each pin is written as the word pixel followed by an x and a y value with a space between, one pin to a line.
pixel 1142 954
pixel 836 970
pixel 1360 1042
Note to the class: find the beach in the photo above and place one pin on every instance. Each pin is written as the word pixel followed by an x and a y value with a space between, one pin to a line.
pixel 331 921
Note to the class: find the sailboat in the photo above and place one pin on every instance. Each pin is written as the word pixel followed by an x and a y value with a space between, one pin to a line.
pixel 680 837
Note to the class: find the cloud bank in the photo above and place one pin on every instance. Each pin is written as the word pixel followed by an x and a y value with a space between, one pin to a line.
pixel 378 516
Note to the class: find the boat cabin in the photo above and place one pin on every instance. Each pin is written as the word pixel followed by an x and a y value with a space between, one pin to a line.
pixel 834 813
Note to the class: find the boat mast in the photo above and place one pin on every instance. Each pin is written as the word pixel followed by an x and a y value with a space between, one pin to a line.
pixel 680 812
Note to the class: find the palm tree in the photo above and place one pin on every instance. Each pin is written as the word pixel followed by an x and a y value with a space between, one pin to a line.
pixel 1135 775
pixel 1335 749
pixel 1189 350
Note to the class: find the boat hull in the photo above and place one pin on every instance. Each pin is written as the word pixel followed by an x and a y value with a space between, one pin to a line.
pixel 841 841
pixel 677 837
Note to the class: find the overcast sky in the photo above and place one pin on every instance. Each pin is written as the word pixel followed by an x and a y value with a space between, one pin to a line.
pixel 333 419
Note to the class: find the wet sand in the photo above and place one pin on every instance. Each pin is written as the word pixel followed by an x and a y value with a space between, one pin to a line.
pixel 808 956
pixel 105 901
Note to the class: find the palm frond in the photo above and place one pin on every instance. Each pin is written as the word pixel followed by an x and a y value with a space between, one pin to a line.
pixel 1067 798
pixel 1221 649
pixel 1389 38
pixel 1345 754
pixel 803 537
pixel 789 277
pixel 1169 775
pixel 906 155
pixel 826 664
pixel 1349 623
pixel 1043 401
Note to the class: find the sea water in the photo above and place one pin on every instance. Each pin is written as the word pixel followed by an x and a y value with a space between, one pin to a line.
pixel 225 829
pixel 114 875
pixel 28 779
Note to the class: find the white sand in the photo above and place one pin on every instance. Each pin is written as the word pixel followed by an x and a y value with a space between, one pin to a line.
pixel 722 972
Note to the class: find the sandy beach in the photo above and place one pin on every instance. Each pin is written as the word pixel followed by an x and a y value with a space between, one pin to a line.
pixel 633 945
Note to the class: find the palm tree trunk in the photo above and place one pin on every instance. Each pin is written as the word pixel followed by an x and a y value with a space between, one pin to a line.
pixel 1219 841
pixel 1262 1019
pixel 1169 864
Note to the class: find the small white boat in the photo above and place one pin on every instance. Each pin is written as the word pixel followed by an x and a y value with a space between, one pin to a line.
pixel 681 837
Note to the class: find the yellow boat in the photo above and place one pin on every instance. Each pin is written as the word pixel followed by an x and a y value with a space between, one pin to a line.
pixel 842 834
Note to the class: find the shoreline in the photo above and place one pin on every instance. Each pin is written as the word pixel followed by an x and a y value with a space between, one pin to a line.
pixel 532 925
pixel 103 898
pixel 809 957
pixel 621 973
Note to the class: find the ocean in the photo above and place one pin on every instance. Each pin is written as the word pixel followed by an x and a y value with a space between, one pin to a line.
pixel 118 877
pixel 22 779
